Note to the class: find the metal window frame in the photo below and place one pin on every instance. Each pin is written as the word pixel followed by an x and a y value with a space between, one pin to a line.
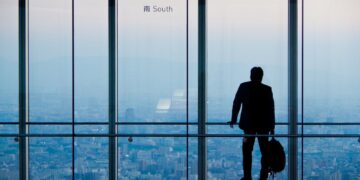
pixel 292 87
pixel 112 18
pixel 23 90
pixel 202 90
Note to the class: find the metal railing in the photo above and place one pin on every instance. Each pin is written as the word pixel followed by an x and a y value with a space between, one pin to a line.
pixel 210 135
pixel 181 135
pixel 180 123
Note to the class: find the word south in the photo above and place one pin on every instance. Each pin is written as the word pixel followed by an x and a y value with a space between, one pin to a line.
pixel 158 9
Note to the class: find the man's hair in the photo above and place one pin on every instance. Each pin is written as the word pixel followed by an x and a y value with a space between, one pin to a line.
pixel 256 74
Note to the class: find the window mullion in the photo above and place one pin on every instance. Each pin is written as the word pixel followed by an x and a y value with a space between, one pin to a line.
pixel 23 90
pixel 293 87
pixel 112 90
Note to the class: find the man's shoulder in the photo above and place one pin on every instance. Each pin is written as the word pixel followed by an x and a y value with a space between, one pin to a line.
pixel 247 83
pixel 267 87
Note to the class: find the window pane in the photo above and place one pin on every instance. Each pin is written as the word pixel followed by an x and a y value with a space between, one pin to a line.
pixel 50 60
pixel 152 129
pixel 331 129
pixel 331 61
pixel 9 66
pixel 92 129
pixel 9 129
pixel 91 88
pixel 50 129
pixel 50 158
pixel 152 158
pixel 193 61
pixel 235 37
pixel 9 158
pixel 225 160
pixel 152 60
pixel 193 158
pixel 9 89
pixel 50 87
pixel 9 149
pixel 91 60
pixel 336 159
pixel 241 35
pixel 91 158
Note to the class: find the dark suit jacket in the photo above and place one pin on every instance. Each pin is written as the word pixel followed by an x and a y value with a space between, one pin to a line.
pixel 257 102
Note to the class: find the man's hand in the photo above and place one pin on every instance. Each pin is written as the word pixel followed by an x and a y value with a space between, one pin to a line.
pixel 231 124
pixel 272 132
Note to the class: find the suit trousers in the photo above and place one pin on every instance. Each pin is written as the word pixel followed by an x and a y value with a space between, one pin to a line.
pixel 247 148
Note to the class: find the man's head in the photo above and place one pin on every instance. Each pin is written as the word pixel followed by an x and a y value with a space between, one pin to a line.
pixel 256 74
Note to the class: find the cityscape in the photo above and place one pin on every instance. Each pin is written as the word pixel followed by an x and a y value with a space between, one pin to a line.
pixel 165 157
pixel 158 51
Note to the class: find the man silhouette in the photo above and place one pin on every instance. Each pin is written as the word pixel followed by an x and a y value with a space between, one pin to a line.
pixel 257 117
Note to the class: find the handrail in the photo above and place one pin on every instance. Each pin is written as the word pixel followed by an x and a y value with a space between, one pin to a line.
pixel 178 123
pixel 183 135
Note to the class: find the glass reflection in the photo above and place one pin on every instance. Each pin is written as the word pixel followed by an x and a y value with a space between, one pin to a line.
pixel 9 65
pixel 152 61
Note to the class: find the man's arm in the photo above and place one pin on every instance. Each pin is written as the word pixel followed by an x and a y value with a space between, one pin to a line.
pixel 272 111
pixel 236 106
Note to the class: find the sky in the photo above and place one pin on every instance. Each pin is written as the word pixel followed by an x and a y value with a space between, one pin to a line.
pixel 152 48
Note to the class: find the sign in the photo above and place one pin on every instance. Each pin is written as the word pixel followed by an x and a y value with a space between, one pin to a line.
pixel 158 9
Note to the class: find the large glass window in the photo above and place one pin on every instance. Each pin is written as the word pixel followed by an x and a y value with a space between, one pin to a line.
pixel 241 35
pixel 9 88
pixel 331 61
pixel 331 86
pixel 69 50
pixel 91 61
pixel 50 61
pixel 152 61
pixel 50 72
pixel 152 50
pixel 91 88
